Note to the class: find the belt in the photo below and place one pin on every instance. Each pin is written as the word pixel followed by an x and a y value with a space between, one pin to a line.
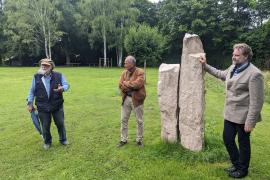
pixel 129 94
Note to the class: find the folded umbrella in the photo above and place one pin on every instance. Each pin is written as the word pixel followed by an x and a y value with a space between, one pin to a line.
pixel 36 122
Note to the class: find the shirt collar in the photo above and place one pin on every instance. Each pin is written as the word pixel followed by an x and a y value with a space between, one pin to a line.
pixel 242 66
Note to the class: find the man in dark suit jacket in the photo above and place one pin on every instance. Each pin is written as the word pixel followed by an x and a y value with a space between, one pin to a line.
pixel 243 104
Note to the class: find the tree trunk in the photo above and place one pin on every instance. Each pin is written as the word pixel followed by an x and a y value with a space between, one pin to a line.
pixel 49 44
pixel 121 44
pixel 117 56
pixel 120 56
pixel 45 41
pixel 104 37
pixel 67 56
pixel 1 4
pixel 19 63
pixel 104 46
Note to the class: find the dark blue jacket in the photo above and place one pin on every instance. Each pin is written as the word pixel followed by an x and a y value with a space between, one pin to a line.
pixel 43 102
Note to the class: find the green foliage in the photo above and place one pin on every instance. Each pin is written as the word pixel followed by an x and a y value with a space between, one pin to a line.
pixel 148 12
pixel 261 11
pixel 267 86
pixel 92 117
pixel 146 44
pixel 71 33
pixel 259 40
pixel 30 26
pixel 97 18
pixel 200 17
pixel 87 27
pixel 220 24
pixel 18 29
pixel 2 20
pixel 106 23
pixel 179 17
pixel 124 17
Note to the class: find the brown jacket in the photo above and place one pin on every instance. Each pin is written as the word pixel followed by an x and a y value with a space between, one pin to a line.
pixel 244 94
pixel 135 84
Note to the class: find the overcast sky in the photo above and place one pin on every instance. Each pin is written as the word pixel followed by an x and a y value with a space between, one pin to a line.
pixel 154 0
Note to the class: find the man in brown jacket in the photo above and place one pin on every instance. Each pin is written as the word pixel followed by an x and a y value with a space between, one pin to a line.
pixel 243 104
pixel 132 88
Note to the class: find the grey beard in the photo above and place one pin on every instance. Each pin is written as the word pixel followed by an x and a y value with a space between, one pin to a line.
pixel 43 72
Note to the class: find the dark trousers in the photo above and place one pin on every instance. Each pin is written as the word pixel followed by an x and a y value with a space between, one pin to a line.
pixel 58 117
pixel 239 157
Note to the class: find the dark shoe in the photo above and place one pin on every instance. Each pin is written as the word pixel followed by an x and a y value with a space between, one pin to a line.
pixel 64 143
pixel 238 174
pixel 139 143
pixel 46 146
pixel 121 143
pixel 230 169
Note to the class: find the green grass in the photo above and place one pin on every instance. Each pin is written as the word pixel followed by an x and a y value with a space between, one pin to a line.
pixel 267 86
pixel 92 115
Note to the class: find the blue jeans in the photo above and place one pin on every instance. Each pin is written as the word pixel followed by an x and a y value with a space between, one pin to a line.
pixel 58 117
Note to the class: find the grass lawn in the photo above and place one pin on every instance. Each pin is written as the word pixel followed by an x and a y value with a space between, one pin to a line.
pixel 92 115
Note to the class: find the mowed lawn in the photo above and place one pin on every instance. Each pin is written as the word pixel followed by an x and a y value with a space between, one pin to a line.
pixel 92 116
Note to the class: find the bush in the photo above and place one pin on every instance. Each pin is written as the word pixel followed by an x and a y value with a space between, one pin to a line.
pixel 146 44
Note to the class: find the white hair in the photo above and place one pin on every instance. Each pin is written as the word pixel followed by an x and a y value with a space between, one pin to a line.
pixel 132 59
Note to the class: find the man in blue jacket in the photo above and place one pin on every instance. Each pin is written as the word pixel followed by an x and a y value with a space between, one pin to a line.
pixel 47 90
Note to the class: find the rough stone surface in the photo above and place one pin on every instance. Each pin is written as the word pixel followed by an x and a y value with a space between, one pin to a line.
pixel 167 96
pixel 191 95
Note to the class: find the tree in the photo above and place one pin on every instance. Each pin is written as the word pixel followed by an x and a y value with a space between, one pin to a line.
pixel 1 30
pixel 1 5
pixel 148 12
pixel 18 30
pixel 31 25
pixel 124 17
pixel 146 44
pixel 68 26
pixel 259 40
pixel 96 17
pixel 260 11
pixel 107 21
pixel 218 23
pixel 46 18
pixel 187 16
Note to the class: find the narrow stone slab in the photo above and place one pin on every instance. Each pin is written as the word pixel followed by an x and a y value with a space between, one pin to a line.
pixel 167 96
pixel 191 95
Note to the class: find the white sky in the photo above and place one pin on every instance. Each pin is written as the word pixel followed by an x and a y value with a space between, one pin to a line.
pixel 154 1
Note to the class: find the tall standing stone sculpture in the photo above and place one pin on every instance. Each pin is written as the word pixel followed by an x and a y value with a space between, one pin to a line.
pixel 191 95
pixel 167 96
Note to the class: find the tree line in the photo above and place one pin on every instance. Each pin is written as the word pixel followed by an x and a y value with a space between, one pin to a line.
pixel 85 30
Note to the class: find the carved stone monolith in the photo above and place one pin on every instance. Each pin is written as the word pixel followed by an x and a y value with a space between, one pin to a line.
pixel 167 96
pixel 191 94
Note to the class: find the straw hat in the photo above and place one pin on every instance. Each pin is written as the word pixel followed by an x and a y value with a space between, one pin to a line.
pixel 47 61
